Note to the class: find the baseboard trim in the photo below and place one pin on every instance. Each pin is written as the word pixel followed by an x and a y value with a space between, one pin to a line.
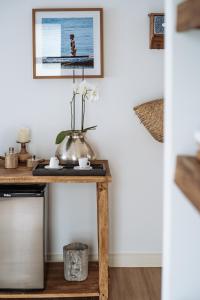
pixel 135 260
pixel 123 259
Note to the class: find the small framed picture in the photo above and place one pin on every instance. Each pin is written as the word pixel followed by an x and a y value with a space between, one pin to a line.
pixel 67 41
pixel 157 30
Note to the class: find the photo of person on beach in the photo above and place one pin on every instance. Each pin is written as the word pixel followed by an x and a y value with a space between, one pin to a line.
pixel 66 39
pixel 74 53
pixel 73 45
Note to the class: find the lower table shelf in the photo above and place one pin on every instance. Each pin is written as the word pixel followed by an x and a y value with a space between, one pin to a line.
pixel 57 287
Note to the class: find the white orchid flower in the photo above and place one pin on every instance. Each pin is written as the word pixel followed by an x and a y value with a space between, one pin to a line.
pixel 83 88
pixel 75 88
pixel 93 95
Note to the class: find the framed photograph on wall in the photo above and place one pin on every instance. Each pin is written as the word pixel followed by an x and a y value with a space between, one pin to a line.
pixel 67 39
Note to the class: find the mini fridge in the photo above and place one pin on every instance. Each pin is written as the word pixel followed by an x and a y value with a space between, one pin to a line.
pixel 22 236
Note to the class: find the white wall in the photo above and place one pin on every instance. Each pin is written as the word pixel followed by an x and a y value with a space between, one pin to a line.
pixel 133 74
pixel 181 220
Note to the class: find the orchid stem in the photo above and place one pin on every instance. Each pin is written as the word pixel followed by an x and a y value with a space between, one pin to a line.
pixel 83 75
pixel 82 117
pixel 74 112
pixel 74 105
pixel 71 115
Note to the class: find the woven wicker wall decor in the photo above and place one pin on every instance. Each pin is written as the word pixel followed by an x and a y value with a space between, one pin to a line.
pixel 151 115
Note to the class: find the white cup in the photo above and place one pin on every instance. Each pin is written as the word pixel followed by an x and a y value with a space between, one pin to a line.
pixel 54 162
pixel 83 162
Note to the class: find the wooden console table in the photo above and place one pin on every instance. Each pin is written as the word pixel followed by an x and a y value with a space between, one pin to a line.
pixel 56 287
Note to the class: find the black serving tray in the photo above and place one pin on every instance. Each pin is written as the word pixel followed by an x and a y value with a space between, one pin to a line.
pixel 68 170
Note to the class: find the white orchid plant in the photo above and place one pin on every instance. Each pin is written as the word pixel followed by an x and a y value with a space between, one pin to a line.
pixel 88 93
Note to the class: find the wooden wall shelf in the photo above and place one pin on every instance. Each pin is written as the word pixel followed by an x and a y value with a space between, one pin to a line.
pixel 57 287
pixel 187 178
pixel 188 15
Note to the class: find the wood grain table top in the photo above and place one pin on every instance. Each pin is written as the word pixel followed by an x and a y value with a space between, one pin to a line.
pixel 24 175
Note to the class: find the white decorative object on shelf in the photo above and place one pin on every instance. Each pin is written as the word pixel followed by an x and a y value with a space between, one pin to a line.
pixel 197 139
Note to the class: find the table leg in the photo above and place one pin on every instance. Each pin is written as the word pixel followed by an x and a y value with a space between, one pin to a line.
pixel 102 211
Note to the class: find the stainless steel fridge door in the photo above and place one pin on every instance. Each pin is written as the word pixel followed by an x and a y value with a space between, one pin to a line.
pixel 22 243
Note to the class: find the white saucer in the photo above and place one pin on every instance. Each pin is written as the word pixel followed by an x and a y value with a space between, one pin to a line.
pixel 83 169
pixel 52 168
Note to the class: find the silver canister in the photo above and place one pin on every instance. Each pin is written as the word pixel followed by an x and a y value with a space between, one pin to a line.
pixel 11 159
pixel 75 257
pixel 73 147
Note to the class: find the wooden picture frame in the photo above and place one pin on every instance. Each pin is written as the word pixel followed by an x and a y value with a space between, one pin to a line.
pixel 67 39
pixel 156 37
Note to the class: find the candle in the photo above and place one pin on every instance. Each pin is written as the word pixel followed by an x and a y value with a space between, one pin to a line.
pixel 23 135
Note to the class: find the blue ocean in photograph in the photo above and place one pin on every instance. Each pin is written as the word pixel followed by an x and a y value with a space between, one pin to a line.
pixel 68 41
